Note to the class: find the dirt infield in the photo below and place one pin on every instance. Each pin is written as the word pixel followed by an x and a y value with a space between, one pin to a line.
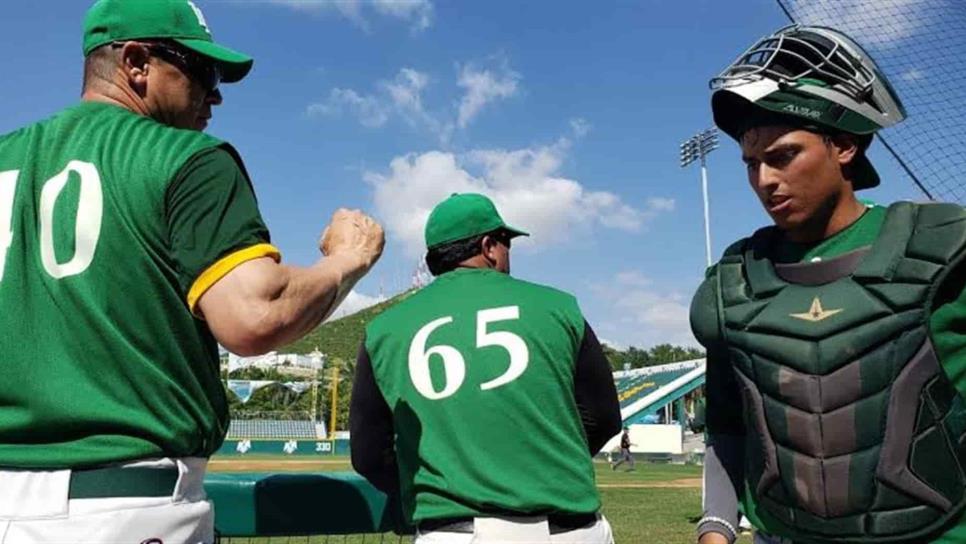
pixel 682 483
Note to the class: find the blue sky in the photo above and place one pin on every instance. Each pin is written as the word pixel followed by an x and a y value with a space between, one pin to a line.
pixel 568 114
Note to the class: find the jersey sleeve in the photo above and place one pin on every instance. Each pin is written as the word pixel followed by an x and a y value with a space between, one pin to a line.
pixel 213 221
pixel 723 477
pixel 947 325
pixel 371 427
pixel 595 393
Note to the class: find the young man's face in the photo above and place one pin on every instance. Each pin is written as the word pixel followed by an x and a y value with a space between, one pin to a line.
pixel 796 174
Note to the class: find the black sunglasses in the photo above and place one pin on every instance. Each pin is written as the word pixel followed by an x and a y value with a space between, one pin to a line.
pixel 503 237
pixel 197 67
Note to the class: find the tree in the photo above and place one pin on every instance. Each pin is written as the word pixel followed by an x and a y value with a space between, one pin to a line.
pixel 614 357
pixel 637 357
pixel 271 398
pixel 657 355
pixel 255 373
pixel 666 353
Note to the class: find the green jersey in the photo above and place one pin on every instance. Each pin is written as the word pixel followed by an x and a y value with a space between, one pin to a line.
pixel 478 371
pixel 107 222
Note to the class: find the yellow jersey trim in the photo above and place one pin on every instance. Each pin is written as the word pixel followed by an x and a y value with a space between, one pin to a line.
pixel 226 264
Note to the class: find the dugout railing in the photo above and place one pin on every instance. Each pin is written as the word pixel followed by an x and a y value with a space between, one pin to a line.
pixel 302 507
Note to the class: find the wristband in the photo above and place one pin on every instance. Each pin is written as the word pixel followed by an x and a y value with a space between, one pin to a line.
pixel 721 521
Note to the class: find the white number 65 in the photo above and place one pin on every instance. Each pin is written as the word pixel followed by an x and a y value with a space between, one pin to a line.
pixel 454 365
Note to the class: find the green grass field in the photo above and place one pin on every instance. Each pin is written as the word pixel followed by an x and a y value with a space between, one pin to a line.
pixel 654 504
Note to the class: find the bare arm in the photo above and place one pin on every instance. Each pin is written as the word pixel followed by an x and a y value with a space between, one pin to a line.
pixel 261 304
pixel 713 538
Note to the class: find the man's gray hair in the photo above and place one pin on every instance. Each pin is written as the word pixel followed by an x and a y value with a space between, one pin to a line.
pixel 100 65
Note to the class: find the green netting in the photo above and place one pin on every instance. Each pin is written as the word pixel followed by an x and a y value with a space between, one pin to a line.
pixel 921 47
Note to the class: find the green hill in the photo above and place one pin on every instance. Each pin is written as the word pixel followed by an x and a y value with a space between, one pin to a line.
pixel 340 339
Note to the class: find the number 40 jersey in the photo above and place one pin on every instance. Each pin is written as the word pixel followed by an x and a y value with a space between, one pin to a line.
pixel 102 361
pixel 478 371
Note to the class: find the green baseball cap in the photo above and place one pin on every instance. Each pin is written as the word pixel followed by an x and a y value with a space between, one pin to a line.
pixel 464 215
pixel 181 21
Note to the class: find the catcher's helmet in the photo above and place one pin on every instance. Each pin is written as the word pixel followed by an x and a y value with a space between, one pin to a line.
pixel 810 76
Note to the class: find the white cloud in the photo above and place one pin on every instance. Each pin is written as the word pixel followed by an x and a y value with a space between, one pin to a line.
pixel 864 20
pixel 353 303
pixel 370 110
pixel 350 9
pixel 418 13
pixel 616 345
pixel 579 126
pixel 405 90
pixel 633 278
pixel 482 86
pixel 645 313
pixel 401 96
pixel 526 185
pixel 661 204
pixel 407 193
pixel 405 93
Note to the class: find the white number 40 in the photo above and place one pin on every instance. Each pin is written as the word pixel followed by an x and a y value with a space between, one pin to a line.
pixel 86 231
pixel 454 365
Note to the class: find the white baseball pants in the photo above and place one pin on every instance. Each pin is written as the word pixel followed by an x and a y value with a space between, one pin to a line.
pixel 35 509
pixel 530 530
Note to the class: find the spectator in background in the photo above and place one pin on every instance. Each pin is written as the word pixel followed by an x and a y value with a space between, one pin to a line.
pixel 625 451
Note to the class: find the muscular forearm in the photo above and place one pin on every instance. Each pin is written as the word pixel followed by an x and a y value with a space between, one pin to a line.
pixel 261 305
pixel 308 296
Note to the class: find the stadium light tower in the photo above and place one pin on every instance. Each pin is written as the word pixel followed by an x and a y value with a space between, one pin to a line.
pixel 692 149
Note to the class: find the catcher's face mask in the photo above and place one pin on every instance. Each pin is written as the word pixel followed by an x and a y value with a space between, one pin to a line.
pixel 807 76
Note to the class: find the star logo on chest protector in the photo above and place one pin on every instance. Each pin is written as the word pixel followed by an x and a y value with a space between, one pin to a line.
pixel 816 313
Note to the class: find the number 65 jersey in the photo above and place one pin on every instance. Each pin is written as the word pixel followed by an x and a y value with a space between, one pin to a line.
pixel 478 371
pixel 108 220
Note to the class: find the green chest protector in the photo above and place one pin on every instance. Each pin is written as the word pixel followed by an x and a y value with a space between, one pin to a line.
pixel 855 434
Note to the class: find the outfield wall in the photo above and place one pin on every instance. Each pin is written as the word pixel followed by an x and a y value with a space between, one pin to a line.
pixel 284 447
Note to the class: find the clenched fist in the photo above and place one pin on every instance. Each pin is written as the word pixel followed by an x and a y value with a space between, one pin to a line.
pixel 353 232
